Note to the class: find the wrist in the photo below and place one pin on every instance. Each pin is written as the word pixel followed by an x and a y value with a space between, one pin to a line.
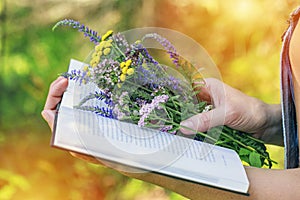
pixel 272 133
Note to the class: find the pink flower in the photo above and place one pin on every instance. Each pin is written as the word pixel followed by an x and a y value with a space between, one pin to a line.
pixel 148 108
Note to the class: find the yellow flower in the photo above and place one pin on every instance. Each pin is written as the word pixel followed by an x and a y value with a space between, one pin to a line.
pixel 95 54
pixel 122 64
pixel 130 71
pixel 106 51
pixel 107 44
pixel 99 47
pixel 128 62
pixel 106 35
pixel 124 70
pixel 86 68
pixel 138 41
pixel 122 77
pixel 95 60
pixel 88 73
pixel 119 85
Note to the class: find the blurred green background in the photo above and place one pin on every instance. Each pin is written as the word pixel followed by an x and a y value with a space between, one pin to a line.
pixel 242 36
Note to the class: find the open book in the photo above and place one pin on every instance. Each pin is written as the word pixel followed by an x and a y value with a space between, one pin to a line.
pixel 138 149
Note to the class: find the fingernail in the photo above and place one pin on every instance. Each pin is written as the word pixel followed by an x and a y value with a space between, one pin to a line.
pixel 61 79
pixel 188 124
pixel 45 115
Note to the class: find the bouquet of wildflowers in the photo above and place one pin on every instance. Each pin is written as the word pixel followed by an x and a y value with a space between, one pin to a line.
pixel 136 88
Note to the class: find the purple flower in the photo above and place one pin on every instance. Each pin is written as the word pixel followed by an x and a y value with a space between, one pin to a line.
pixel 77 75
pixel 167 128
pixel 118 113
pixel 148 108
pixel 157 79
pixel 121 42
pixel 106 74
pixel 121 105
pixel 99 96
pixel 173 83
pixel 122 97
pixel 139 49
pixel 146 76
pixel 104 96
pixel 167 46
pixel 104 112
pixel 93 35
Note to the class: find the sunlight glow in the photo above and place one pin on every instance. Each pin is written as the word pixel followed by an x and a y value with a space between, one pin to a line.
pixel 244 9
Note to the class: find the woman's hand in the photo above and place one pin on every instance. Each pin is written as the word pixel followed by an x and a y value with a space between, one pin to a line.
pixel 56 90
pixel 238 111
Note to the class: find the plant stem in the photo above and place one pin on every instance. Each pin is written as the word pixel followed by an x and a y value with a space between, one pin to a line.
pixel 118 49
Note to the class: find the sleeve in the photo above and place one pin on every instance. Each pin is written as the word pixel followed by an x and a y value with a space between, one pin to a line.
pixel 287 98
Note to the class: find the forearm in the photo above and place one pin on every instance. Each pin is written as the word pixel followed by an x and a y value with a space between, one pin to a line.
pixel 187 189
pixel 273 133
pixel 264 184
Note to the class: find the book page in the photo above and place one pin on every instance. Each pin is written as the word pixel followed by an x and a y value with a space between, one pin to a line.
pixel 141 149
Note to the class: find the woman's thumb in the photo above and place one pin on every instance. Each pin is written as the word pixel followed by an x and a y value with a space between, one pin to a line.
pixel 49 117
pixel 203 122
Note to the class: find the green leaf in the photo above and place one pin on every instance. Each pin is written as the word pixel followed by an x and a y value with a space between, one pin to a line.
pixel 254 159
pixel 244 152
pixel 245 159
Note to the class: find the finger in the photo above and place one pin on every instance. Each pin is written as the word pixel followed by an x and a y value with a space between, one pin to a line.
pixel 49 116
pixel 202 92
pixel 56 91
pixel 211 90
pixel 216 90
pixel 203 121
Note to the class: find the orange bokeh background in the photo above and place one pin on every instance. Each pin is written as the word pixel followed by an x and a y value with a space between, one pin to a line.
pixel 243 37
